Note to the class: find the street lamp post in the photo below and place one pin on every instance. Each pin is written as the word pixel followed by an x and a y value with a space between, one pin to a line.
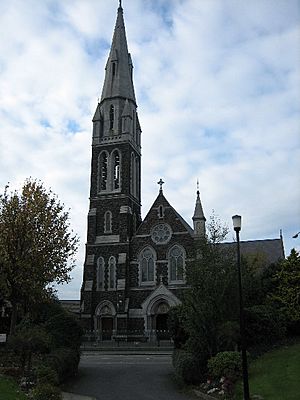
pixel 237 219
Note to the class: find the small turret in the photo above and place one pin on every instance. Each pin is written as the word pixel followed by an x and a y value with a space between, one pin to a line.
pixel 198 217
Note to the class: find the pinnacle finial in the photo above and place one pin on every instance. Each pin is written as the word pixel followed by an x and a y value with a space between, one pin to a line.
pixel 120 3
pixel 160 183
pixel 198 186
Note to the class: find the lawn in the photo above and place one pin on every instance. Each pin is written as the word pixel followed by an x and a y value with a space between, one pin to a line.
pixel 9 390
pixel 275 375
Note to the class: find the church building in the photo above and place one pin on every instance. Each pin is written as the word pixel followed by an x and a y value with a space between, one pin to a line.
pixel 134 269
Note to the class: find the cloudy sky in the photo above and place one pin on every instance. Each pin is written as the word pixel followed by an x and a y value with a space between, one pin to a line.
pixel 218 89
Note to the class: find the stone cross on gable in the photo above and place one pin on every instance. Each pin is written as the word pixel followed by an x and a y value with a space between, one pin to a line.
pixel 160 183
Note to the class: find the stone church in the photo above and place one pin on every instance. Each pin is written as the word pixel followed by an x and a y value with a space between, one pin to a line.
pixel 134 269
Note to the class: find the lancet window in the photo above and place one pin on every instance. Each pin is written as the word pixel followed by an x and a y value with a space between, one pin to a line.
pixel 147 265
pixel 176 264
pixel 116 170
pixel 103 170
pixel 111 117
pixel 112 273
pixel 100 273
pixel 108 222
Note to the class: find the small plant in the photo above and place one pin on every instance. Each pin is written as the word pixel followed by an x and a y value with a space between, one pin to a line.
pixel 225 364
pixel 46 374
pixel 46 391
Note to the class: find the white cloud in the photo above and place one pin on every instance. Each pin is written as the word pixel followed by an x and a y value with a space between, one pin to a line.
pixel 217 84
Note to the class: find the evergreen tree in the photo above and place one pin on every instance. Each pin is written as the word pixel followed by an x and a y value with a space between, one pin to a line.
pixel 287 286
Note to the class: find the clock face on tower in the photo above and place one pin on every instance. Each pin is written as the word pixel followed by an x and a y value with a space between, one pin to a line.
pixel 161 233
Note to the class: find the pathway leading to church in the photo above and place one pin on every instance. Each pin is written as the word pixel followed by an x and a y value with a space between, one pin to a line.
pixel 126 377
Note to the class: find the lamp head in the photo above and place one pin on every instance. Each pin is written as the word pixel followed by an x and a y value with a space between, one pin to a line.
pixel 237 222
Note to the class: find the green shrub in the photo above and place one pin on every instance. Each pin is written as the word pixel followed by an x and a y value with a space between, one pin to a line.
pixel 264 325
pixel 65 330
pixel 176 326
pixel 228 336
pixel 29 339
pixel 225 364
pixel 46 374
pixel 64 361
pixel 46 392
pixel 186 366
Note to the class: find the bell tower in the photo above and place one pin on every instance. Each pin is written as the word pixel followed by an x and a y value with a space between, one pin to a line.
pixel 115 191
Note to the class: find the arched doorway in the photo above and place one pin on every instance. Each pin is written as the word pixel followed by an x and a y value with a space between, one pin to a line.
pixel 105 320
pixel 160 312
pixel 107 325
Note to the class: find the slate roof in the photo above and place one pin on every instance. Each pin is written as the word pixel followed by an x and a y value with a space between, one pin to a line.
pixel 272 249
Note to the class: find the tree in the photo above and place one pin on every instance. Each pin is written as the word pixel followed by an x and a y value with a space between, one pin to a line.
pixel 287 286
pixel 211 300
pixel 36 244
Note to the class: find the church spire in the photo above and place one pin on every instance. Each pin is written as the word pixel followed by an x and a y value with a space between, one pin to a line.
pixel 198 217
pixel 118 76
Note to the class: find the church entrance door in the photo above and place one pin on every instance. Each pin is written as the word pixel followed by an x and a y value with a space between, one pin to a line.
pixel 106 328
pixel 161 323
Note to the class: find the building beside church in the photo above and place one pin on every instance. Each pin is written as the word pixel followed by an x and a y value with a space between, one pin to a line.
pixel 134 269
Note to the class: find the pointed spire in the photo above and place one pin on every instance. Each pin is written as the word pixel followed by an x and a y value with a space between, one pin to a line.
pixel 198 217
pixel 198 213
pixel 118 76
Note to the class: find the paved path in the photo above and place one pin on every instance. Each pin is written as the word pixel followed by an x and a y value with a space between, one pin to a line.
pixel 126 377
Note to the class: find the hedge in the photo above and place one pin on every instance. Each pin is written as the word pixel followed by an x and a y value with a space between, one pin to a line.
pixel 187 366
pixel 64 361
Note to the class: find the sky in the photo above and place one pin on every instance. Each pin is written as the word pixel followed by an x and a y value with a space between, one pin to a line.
pixel 218 91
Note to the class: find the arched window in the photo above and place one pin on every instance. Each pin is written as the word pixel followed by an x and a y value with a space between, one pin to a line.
pixel 137 177
pixel 113 69
pixel 108 222
pixel 103 171
pixel 116 170
pixel 100 273
pixel 147 266
pixel 176 264
pixel 101 126
pixel 134 125
pixel 160 211
pixel 112 272
pixel 132 175
pixel 134 224
pixel 111 117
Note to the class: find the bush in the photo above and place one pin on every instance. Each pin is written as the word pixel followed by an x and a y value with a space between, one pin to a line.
pixel 46 374
pixel 228 336
pixel 46 391
pixel 65 330
pixel 64 361
pixel 187 367
pixel 225 364
pixel 176 326
pixel 29 339
pixel 264 325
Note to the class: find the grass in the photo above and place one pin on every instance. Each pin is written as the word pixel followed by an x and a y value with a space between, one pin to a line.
pixel 275 375
pixel 9 390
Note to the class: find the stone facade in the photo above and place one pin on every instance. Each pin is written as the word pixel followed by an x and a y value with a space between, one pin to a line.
pixel 134 270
